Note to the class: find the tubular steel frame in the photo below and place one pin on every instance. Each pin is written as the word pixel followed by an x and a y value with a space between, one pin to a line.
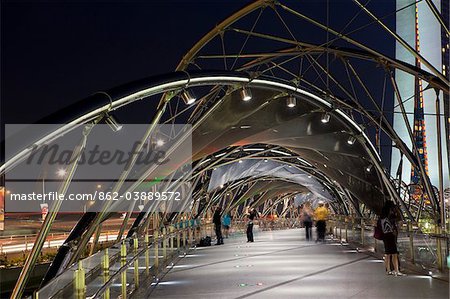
pixel 341 98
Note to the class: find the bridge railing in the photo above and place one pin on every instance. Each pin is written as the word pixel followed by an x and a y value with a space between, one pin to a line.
pixel 120 270
pixel 24 243
pixel 425 250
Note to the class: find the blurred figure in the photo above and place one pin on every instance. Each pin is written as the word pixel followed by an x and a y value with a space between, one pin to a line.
pixel 389 227
pixel 306 218
pixel 217 220
pixel 321 215
pixel 330 229
pixel 226 222
pixel 251 215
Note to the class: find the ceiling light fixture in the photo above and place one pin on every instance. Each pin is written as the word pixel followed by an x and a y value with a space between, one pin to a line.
pixel 291 101
pixel 113 123
pixel 188 97
pixel 351 140
pixel 325 118
pixel 246 94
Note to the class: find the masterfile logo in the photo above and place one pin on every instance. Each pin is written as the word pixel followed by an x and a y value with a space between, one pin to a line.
pixel 136 166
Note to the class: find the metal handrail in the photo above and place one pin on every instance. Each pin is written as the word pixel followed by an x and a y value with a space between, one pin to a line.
pixel 162 238
pixel 124 268
pixel 407 230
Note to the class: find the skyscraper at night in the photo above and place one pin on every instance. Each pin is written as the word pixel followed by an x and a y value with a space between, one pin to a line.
pixel 418 26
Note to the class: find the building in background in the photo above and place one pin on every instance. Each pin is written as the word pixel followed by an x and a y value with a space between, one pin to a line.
pixel 418 26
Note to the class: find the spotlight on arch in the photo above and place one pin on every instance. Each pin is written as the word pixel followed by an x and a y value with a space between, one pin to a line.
pixel 246 94
pixel 325 118
pixel 113 123
pixel 369 168
pixel 351 140
pixel 188 97
pixel 291 102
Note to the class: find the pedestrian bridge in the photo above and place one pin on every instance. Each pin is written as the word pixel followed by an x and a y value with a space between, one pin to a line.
pixel 280 264
pixel 271 123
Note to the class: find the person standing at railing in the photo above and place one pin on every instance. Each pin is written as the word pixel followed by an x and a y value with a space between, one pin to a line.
pixel 217 220
pixel 226 222
pixel 388 226
pixel 252 214
pixel 321 215
pixel 306 219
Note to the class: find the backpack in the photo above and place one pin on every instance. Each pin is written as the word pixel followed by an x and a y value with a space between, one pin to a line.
pixel 204 242
pixel 378 231
pixel 307 217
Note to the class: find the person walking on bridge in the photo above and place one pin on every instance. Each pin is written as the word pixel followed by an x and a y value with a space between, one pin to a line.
pixel 321 216
pixel 306 218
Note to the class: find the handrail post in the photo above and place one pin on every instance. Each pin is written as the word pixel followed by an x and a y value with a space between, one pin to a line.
pixel 156 249
pixel 171 239
pixel 136 262
pixel 353 229
pixel 164 241
pixel 346 228
pixel 195 231
pixel 440 260
pixel 334 228
pixel 340 228
pixel 184 234
pixel 190 233
pixel 375 241
pixel 147 257
pixel 178 237
pixel 411 241
pixel 123 261
pixel 105 266
pixel 362 231
pixel 80 283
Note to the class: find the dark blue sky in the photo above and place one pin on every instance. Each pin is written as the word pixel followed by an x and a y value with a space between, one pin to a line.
pixel 55 53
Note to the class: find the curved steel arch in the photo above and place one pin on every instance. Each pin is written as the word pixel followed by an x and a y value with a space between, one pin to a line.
pixel 326 100
pixel 267 60
pixel 122 96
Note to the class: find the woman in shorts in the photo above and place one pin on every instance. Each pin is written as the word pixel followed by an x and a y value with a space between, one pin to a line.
pixel 389 239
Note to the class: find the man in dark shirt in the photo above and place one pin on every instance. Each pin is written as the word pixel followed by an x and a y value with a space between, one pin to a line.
pixel 217 220
pixel 252 215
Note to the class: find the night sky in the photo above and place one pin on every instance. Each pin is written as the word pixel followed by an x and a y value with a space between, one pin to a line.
pixel 55 53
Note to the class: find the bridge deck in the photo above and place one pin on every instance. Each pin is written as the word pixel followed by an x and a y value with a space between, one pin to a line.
pixel 280 264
